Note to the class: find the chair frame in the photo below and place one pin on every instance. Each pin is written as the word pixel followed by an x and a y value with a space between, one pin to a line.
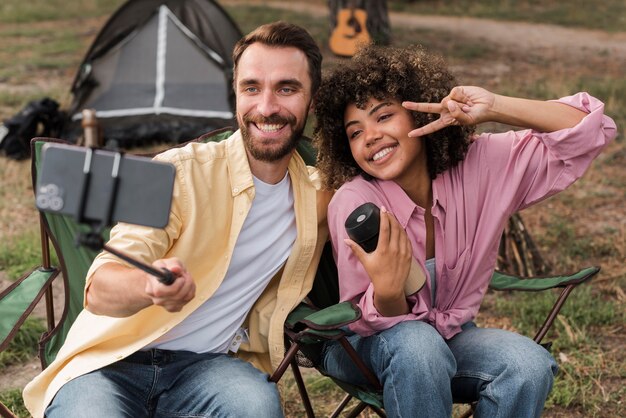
pixel 294 345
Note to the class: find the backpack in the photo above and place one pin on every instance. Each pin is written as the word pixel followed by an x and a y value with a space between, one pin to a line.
pixel 38 118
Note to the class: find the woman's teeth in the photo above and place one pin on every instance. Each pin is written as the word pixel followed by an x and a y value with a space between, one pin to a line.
pixel 380 154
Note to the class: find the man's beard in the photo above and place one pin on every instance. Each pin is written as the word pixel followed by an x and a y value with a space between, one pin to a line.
pixel 267 154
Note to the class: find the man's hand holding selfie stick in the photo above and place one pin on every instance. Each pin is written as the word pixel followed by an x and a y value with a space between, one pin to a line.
pixel 99 188
pixel 171 296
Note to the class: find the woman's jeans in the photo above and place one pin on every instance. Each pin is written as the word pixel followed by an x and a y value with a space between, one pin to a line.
pixel 162 383
pixel 422 373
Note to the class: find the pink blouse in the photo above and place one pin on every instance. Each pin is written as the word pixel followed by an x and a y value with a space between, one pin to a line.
pixel 501 174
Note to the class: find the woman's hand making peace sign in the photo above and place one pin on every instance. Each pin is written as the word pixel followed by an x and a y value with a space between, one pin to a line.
pixel 470 105
pixel 465 105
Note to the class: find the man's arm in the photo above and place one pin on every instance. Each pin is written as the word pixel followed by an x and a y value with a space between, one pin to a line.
pixel 120 291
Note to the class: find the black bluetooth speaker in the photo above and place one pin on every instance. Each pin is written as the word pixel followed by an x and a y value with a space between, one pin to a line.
pixel 362 226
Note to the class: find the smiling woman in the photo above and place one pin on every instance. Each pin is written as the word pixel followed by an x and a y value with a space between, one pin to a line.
pixel 389 77
pixel 445 196
pixel 377 134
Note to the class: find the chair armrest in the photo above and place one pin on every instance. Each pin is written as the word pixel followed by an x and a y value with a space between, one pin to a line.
pixel 19 299
pixel 307 325
pixel 503 281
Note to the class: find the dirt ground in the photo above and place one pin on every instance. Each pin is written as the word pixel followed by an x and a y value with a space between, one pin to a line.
pixel 560 50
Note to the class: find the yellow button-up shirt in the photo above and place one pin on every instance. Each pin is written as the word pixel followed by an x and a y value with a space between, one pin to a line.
pixel 213 193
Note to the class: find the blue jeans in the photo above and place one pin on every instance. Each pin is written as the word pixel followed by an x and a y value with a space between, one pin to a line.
pixel 421 373
pixel 162 383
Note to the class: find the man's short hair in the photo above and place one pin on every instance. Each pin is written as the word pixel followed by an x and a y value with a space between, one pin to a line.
pixel 284 34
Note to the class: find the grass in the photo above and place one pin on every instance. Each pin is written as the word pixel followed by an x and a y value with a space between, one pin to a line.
pixel 13 400
pixel 609 15
pixel 574 229
pixel 528 310
pixel 250 17
pixel 584 363
pixel 24 346
pixel 12 11
pixel 614 89
pixel 34 49
pixel 20 255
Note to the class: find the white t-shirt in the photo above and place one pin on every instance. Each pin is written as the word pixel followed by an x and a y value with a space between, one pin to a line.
pixel 262 248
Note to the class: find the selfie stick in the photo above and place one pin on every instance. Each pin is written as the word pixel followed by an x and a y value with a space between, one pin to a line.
pixel 93 239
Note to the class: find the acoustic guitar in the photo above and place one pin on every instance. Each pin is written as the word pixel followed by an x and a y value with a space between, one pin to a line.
pixel 350 32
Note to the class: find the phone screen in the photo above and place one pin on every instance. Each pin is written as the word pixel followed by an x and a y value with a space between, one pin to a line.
pixel 104 187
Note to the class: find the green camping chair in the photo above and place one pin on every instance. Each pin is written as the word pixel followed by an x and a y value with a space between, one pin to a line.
pixel 18 300
pixel 321 318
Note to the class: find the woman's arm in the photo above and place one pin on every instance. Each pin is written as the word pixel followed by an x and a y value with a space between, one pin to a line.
pixel 468 105
pixel 542 116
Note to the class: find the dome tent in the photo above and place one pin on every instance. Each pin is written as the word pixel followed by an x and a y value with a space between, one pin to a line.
pixel 159 70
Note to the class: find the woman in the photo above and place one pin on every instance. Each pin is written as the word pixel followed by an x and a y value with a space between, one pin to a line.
pixel 445 195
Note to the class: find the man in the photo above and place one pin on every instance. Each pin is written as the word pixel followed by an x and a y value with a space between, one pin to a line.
pixel 243 242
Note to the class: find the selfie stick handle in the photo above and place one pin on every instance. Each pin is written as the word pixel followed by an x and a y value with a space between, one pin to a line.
pixel 164 275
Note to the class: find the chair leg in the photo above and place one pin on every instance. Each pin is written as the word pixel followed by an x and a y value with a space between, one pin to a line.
pixel 554 312
pixel 6 412
pixel 341 406
pixel 304 395
pixel 290 359
pixel 357 410
pixel 362 406
pixel 282 367
pixel 378 411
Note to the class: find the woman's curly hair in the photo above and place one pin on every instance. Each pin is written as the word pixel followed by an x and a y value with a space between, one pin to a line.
pixel 384 73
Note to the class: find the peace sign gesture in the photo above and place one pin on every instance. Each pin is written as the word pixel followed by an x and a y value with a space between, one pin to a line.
pixel 465 105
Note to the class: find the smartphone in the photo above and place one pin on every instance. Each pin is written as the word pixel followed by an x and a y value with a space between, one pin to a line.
pixel 101 187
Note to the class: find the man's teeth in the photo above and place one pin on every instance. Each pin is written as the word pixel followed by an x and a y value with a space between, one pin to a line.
pixel 380 154
pixel 269 128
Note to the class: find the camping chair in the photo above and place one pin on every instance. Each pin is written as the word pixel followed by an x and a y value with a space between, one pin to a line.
pixel 321 318
pixel 19 299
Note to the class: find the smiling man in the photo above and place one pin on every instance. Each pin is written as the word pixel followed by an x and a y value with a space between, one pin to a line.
pixel 246 231
pixel 271 119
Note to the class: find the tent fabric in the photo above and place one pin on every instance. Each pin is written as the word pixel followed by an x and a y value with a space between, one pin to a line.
pixel 159 70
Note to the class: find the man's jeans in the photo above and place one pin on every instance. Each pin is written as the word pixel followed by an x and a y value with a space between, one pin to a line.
pixel 162 383
pixel 422 373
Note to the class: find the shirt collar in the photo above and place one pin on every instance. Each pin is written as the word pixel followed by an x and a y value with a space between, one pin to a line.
pixel 398 202
pixel 238 166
